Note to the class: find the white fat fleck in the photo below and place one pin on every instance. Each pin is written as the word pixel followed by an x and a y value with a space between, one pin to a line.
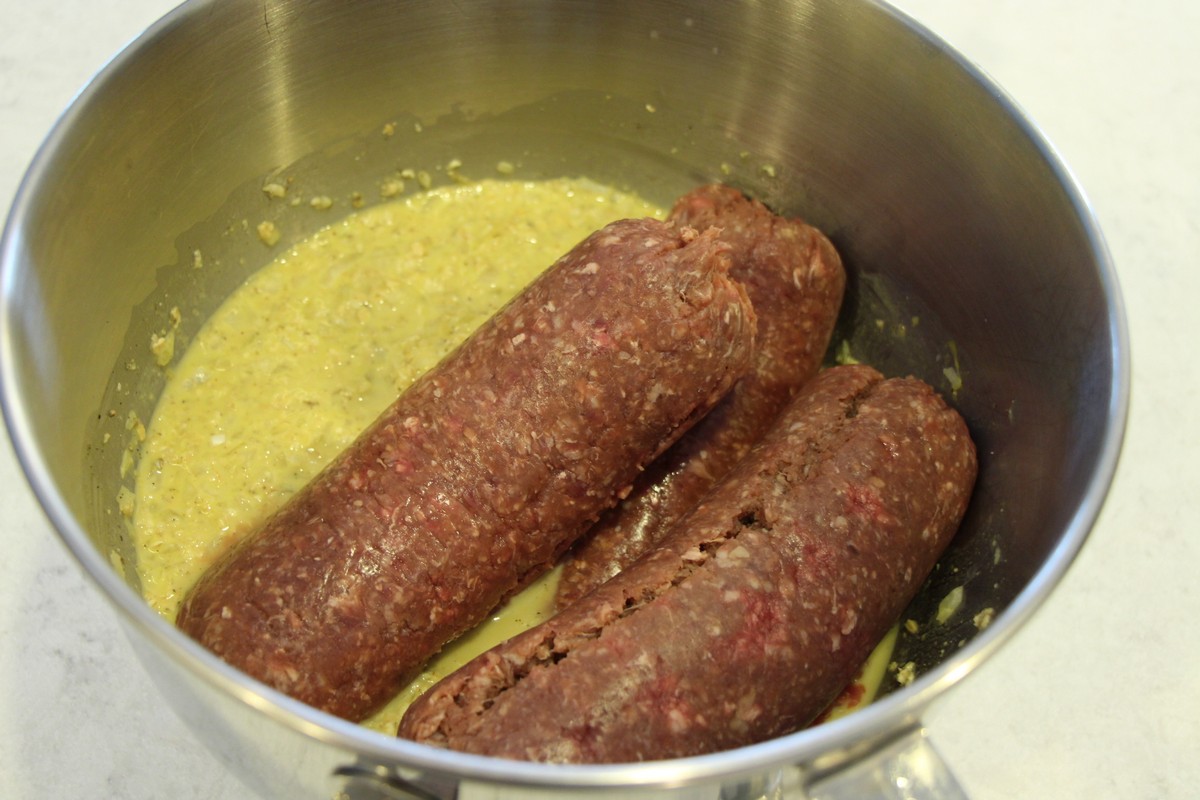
pixel 800 276
pixel 518 339
pixel 737 552
pixel 590 268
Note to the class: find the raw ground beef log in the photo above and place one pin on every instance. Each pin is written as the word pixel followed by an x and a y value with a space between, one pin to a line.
pixel 795 280
pixel 756 609
pixel 483 472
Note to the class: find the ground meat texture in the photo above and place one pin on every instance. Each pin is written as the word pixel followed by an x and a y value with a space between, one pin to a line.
pixel 795 280
pixel 753 613
pixel 479 476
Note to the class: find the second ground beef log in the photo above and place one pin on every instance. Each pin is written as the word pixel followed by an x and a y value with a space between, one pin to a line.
pixel 795 280
pixel 482 472
pixel 753 613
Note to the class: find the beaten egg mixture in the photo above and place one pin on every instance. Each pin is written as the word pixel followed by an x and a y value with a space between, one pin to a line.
pixel 317 344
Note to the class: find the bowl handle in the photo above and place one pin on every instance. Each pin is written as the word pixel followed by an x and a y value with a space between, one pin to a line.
pixel 905 767
pixel 361 781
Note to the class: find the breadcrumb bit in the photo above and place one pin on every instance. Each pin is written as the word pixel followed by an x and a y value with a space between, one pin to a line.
pixel 950 604
pixel 424 179
pixel 321 202
pixel 134 423
pixel 984 618
pixel 769 170
pixel 843 355
pixel 163 347
pixel 197 259
pixel 953 378
pixel 505 167
pixel 391 188
pixel 906 674
pixel 125 498
pixel 274 190
pixel 953 373
pixel 268 233
pixel 389 130
pixel 452 169
pixel 911 625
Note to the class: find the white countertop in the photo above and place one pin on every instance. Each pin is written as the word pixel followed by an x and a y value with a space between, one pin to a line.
pixel 1098 696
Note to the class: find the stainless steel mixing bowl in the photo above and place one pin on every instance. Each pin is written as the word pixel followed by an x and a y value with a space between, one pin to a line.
pixel 973 257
